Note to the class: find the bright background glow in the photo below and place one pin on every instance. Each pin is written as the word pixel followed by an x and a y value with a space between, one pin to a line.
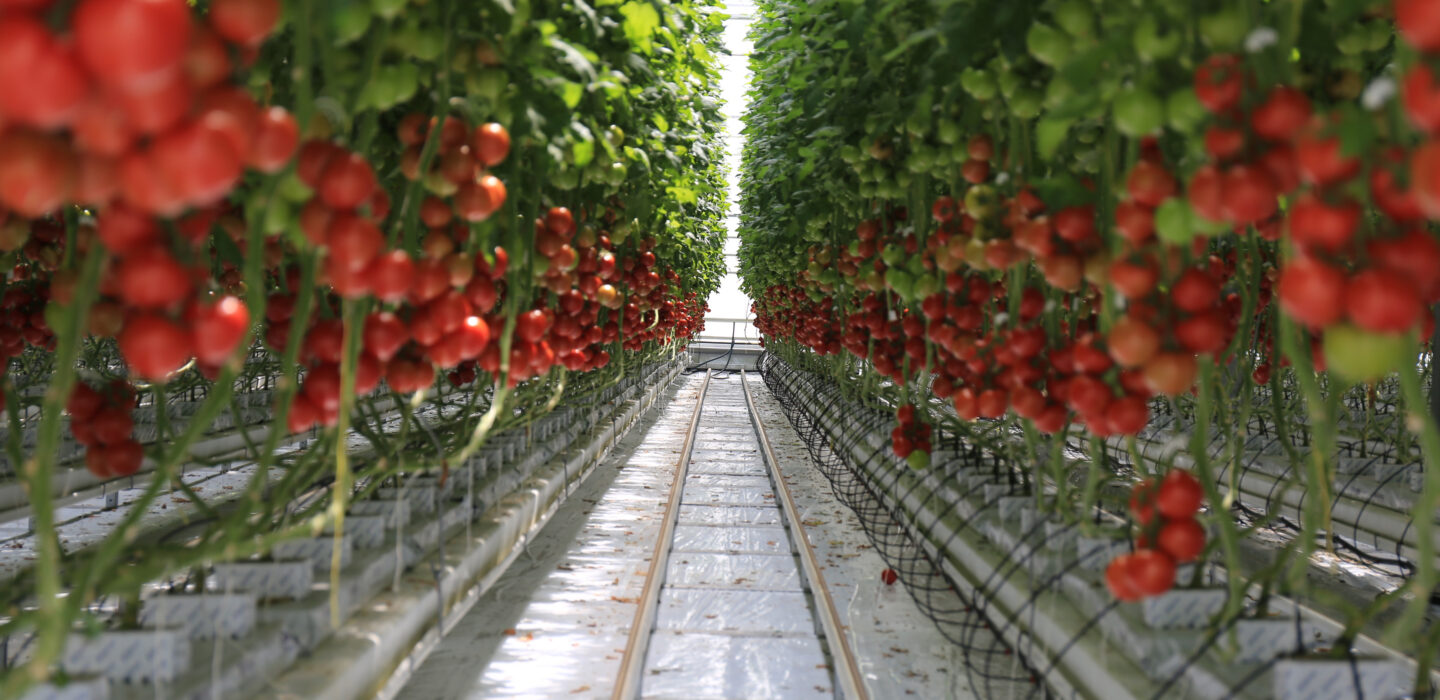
pixel 729 302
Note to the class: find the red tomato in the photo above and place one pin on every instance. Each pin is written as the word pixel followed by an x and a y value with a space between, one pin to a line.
pixel 154 346
pixel 276 139
pixel 1312 292
pixel 532 325
pixel 37 172
pixel 1151 572
pixel 1182 538
pixel 304 414
pixel 1313 222
pixel 207 60
pixel 158 105
pixel 384 335
pixel 353 241
pixel 130 42
pixel 1320 159
pixel 347 181
pixel 491 143
pixel 1377 300
pixel 560 222
pixel 218 329
pixel 889 577
pixel 1284 112
pixel 1128 415
pixel 476 201
pixel 1142 501
pixel 244 22
pixel 1250 195
pixel 1118 580
pixel 1195 291
pixel 124 458
pixel 152 279
pixel 1419 22
pixel 1218 82
pixel 1415 255
pixel 41 81
pixel 1180 495
pixel 1150 183
pixel 1207 193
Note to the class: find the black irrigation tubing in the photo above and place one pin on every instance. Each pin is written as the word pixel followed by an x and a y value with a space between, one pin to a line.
pixel 959 620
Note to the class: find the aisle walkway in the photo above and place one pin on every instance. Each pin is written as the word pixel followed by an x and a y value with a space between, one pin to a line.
pixel 555 625
pixel 734 619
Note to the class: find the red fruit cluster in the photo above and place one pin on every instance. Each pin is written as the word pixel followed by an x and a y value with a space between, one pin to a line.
pixel 132 101
pixel 102 422
pixel 910 435
pixel 1169 535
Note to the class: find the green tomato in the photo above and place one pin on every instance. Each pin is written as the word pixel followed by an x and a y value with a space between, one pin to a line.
pixel 919 123
pixel 927 284
pixel 1358 355
pixel 389 9
pixel 981 201
pixel 1058 92
pixel 565 178
pixel 1175 222
pixel 487 83
pixel 1008 82
pixel 1378 34
pixel 919 461
pixel 1153 43
pixel 616 137
pixel 900 281
pixel 1353 42
pixel 979 83
pixel 1184 111
pixel 1026 103
pixel 293 189
pixel 893 254
pixel 1050 134
pixel 1138 113
pixel 277 217
pixel 921 160
pixel 1225 29
pixel 948 132
pixel 1076 18
pixel 615 175
pixel 1047 44
pixel 349 23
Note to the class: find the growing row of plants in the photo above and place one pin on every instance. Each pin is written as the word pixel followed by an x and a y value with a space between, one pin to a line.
pixel 1055 216
pixel 388 205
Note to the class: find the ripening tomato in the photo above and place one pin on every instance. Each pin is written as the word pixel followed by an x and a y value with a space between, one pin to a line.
pixel 1182 538
pixel 37 172
pixel 1171 373
pixel 1180 494
pixel 1132 342
pixel 154 346
pixel 476 201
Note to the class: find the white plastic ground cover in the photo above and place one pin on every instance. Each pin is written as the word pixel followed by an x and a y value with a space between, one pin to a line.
pixel 555 623
pixel 758 641
pixel 376 650
pixel 900 651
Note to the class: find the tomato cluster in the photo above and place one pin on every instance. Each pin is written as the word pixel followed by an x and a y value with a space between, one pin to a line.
pixel 1170 535
pixel 101 420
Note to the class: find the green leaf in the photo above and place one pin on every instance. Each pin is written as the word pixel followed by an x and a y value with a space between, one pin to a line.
pixel 641 21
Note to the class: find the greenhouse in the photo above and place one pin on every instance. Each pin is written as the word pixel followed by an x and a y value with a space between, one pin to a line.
pixel 858 349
